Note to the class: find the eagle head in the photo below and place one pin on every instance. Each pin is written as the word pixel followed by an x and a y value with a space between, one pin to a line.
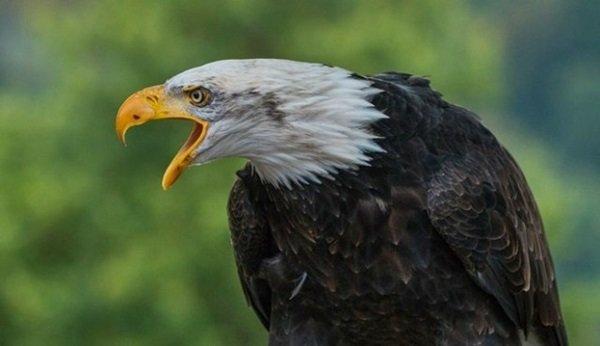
pixel 296 122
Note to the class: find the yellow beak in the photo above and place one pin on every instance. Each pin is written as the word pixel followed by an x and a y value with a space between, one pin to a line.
pixel 152 104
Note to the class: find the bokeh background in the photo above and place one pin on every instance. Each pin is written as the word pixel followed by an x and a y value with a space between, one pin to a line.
pixel 93 252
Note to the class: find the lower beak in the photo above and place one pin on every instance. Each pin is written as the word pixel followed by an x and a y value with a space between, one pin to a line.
pixel 152 104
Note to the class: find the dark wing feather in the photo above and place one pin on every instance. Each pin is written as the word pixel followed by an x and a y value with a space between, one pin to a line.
pixel 252 243
pixel 479 201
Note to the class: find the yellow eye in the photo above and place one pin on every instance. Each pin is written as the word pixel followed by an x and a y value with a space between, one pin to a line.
pixel 200 96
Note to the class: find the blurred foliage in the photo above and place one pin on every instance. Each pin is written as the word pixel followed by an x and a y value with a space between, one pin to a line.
pixel 570 75
pixel 92 251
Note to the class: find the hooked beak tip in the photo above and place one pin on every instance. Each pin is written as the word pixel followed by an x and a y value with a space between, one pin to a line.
pixel 137 109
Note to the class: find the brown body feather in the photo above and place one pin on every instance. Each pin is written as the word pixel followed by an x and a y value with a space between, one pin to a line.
pixel 438 242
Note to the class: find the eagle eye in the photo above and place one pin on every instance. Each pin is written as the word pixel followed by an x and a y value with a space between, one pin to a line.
pixel 200 96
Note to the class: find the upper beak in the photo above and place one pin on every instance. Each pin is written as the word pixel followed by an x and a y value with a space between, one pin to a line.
pixel 152 104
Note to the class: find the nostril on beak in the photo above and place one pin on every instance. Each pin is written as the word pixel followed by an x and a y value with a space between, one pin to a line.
pixel 136 117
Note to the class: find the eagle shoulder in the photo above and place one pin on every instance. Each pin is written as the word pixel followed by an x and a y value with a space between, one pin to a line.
pixel 479 201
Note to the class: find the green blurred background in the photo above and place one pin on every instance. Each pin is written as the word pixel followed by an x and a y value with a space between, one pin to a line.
pixel 92 251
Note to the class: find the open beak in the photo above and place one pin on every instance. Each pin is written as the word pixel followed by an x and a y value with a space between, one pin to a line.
pixel 152 104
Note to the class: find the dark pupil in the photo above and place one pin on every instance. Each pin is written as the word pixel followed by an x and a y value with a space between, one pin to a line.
pixel 196 95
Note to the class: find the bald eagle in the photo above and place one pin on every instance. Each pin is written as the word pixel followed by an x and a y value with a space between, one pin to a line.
pixel 370 212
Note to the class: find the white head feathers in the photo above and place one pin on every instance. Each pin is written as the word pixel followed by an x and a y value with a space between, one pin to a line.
pixel 296 122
